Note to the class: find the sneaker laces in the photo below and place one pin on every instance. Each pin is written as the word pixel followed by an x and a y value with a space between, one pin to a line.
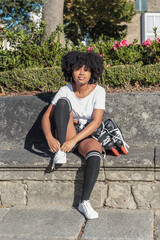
pixel 88 206
pixel 55 158
pixel 53 165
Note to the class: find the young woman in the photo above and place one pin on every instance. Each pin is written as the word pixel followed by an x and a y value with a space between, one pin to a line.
pixel 77 111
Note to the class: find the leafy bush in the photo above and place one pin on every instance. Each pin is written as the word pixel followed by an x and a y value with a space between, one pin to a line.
pixel 49 79
pixel 151 50
pixel 125 75
pixel 34 63
pixel 40 79
pixel 29 49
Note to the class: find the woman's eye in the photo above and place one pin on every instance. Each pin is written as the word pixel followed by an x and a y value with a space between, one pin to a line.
pixel 76 69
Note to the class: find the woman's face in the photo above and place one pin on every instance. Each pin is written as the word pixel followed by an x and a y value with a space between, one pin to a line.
pixel 81 75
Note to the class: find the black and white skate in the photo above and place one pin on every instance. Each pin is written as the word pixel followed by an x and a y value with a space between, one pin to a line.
pixel 116 134
pixel 102 135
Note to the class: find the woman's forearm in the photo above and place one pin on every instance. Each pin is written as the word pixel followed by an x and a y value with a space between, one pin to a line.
pixel 46 127
pixel 46 121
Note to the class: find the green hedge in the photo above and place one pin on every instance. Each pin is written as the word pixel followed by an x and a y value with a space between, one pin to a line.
pixel 50 79
pixel 39 79
pixel 124 75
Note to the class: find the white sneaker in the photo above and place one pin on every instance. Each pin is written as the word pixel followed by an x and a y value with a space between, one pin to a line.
pixel 86 208
pixel 59 158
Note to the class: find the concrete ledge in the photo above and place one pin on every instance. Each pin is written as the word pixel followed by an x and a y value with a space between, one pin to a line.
pixel 136 113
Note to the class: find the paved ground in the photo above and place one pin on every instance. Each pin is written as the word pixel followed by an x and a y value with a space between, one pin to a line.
pixel 68 224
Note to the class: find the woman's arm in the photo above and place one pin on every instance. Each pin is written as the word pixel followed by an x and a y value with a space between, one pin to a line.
pixel 53 143
pixel 88 130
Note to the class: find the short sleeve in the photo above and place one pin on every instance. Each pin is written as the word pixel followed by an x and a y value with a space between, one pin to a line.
pixel 100 98
pixel 59 94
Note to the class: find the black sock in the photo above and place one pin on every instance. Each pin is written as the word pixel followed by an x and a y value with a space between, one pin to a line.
pixel 91 173
pixel 61 118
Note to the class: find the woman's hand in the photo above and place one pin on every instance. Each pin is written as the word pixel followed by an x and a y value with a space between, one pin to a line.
pixel 68 145
pixel 53 144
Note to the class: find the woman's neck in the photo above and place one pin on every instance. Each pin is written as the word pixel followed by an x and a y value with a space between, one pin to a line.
pixel 82 91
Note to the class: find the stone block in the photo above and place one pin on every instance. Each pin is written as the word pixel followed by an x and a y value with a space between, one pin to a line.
pixel 119 224
pixel 136 158
pixel 12 194
pixel 147 195
pixel 157 163
pixel 24 158
pixel 153 6
pixel 50 193
pixel 120 196
pixel 2 152
pixel 43 223
pixel 137 114
pixel 20 121
pixel 62 193
pixel 20 118
pixel 157 225
pixel 99 194
pixel 3 212
pixel 129 174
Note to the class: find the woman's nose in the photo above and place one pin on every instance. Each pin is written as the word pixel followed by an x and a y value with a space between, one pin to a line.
pixel 81 70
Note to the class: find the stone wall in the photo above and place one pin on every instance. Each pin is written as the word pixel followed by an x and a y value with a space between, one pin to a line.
pixel 153 5
pixel 128 181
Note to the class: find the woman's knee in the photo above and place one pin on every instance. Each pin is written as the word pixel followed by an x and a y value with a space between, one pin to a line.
pixel 64 103
pixel 89 145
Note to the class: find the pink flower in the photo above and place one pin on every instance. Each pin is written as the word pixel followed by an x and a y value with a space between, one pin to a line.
pixel 124 42
pixel 131 44
pixel 156 39
pixel 90 49
pixel 147 43
pixel 108 65
pixel 115 46
pixel 120 45
pixel 101 55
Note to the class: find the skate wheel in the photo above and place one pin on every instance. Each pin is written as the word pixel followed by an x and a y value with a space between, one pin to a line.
pixel 124 150
pixel 115 151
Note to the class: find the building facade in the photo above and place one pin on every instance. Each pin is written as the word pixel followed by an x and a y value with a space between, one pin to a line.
pixel 147 17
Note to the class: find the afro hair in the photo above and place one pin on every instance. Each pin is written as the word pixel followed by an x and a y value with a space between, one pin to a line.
pixel 76 59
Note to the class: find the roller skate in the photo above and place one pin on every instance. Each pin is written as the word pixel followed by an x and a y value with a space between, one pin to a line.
pixel 102 135
pixel 116 135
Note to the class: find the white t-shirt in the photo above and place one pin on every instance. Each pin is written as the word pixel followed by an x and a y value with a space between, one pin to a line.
pixel 82 107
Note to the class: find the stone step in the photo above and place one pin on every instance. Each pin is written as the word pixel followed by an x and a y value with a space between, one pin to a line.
pixel 128 181
pixel 69 224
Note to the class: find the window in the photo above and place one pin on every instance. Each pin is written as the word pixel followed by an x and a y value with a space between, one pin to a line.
pixel 150 21
pixel 141 5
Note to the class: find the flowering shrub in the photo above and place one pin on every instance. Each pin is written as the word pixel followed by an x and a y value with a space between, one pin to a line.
pixel 124 53
pixel 151 51
pixel 90 49
pixel 31 51
pixel 119 44
pixel 147 43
